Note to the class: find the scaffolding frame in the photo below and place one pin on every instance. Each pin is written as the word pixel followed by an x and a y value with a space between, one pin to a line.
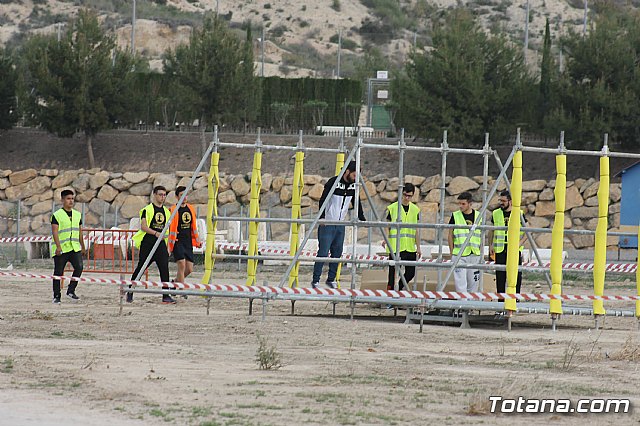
pixel 354 223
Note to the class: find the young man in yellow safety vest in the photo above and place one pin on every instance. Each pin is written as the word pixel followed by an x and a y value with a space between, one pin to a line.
pixel 466 279
pixel 68 244
pixel 498 241
pixel 183 237
pixel 409 237
pixel 152 221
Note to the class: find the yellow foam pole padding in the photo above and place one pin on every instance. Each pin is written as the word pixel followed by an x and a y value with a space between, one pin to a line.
pixel 296 213
pixel 557 235
pixel 600 251
pixel 339 162
pixel 513 231
pixel 254 213
pixel 339 165
pixel 638 280
pixel 212 210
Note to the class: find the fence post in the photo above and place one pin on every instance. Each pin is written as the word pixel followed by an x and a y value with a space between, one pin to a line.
pixel 15 260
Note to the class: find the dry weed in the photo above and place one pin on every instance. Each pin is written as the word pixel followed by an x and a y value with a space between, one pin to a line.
pixel 630 351
pixel 479 405
pixel 267 357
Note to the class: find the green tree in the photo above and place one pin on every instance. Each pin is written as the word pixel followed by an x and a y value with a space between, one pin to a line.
pixel 8 112
pixel 546 69
pixel 469 83
pixel 80 83
pixel 281 111
pixel 600 88
pixel 216 72
pixel 317 109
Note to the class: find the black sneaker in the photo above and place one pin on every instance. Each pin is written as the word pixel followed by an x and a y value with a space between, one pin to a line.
pixel 129 297
pixel 168 300
pixel 72 296
pixel 56 300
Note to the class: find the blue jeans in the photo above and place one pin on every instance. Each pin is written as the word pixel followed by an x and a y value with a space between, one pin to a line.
pixel 330 239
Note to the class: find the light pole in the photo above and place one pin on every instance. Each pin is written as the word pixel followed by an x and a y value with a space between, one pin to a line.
pixel 133 29
pixel 262 53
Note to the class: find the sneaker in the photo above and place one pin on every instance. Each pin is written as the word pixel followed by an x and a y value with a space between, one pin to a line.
pixel 56 300
pixel 168 300
pixel 315 284
pixel 129 297
pixel 331 284
pixel 72 296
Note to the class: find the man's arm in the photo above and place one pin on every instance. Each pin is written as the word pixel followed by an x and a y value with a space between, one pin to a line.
pixel 56 238
pixel 490 240
pixel 83 250
pixel 418 250
pixel 145 228
pixel 361 213
pixel 523 239
pixel 325 191
pixel 450 239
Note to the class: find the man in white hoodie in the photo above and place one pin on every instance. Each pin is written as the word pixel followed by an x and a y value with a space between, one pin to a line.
pixel 331 237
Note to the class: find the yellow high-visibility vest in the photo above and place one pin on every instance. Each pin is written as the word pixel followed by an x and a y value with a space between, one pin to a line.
pixel 407 235
pixel 148 215
pixel 460 235
pixel 500 235
pixel 68 231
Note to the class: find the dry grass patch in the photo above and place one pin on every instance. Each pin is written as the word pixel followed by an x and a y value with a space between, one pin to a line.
pixel 630 351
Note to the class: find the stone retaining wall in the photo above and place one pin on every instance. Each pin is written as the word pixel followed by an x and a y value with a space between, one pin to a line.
pixel 104 192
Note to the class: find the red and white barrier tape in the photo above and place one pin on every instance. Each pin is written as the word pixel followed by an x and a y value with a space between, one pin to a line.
pixel 47 238
pixel 266 249
pixel 331 292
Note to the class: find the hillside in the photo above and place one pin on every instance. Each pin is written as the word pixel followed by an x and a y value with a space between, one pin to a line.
pixel 301 37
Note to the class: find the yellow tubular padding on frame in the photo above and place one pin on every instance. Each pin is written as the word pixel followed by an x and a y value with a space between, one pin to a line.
pixel 339 165
pixel 600 251
pixel 557 235
pixel 212 210
pixel 513 231
pixel 254 213
pixel 298 186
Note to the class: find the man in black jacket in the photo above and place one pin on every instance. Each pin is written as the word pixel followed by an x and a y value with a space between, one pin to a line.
pixel 331 237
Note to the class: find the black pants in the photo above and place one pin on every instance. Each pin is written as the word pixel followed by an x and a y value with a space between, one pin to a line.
pixel 160 257
pixel 59 262
pixel 409 271
pixel 501 276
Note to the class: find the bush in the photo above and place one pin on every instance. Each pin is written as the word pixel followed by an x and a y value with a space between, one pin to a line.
pixel 346 43
pixel 267 6
pixel 267 357
pixel 335 5
pixel 278 31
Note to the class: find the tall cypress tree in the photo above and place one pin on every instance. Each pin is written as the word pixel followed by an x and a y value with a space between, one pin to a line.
pixel 546 69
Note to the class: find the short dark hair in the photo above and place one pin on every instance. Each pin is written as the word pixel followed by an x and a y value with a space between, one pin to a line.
pixel 465 196
pixel 159 188
pixel 352 166
pixel 180 190
pixel 409 188
pixel 66 192
pixel 506 193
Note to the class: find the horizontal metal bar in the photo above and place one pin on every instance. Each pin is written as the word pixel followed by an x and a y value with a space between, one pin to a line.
pixel 557 151
pixel 422 225
pixel 425 149
pixel 277 147
pixel 467 305
pixel 480 266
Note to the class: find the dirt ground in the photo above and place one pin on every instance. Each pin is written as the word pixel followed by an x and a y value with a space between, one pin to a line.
pixel 82 363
